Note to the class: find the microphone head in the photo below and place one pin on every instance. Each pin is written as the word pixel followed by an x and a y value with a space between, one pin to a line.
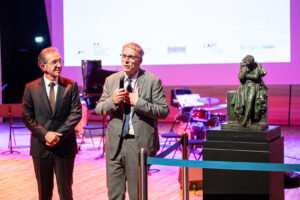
pixel 122 77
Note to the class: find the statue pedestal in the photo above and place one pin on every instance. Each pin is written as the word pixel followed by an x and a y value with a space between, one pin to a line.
pixel 243 146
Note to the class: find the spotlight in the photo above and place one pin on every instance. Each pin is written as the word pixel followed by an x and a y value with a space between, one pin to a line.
pixel 39 39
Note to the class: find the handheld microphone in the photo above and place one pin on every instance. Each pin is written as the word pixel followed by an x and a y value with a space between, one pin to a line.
pixel 122 77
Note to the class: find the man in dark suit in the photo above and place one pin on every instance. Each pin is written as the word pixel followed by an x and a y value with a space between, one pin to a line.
pixel 51 110
pixel 133 120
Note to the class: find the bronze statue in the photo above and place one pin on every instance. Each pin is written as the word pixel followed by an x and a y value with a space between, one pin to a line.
pixel 250 101
pixel 247 107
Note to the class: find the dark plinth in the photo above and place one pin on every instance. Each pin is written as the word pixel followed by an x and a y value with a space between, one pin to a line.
pixel 243 146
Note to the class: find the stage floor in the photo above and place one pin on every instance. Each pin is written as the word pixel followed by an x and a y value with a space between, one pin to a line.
pixel 17 180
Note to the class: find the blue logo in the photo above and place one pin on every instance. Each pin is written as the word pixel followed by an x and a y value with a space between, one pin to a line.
pixel 176 49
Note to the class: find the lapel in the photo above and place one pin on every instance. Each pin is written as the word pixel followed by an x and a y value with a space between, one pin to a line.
pixel 59 96
pixel 44 97
pixel 140 80
pixel 140 83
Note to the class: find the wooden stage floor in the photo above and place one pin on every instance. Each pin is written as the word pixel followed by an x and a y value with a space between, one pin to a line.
pixel 17 180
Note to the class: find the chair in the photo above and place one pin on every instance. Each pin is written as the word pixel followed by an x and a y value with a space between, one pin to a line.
pixel 193 144
pixel 171 135
pixel 10 111
pixel 103 137
pixel 200 136
pixel 13 127
pixel 184 117
pixel 89 128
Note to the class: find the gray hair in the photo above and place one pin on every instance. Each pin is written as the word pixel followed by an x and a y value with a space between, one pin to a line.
pixel 135 47
pixel 42 56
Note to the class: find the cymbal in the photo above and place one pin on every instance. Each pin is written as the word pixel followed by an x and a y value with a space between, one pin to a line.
pixel 218 107
pixel 210 108
pixel 222 106
pixel 209 100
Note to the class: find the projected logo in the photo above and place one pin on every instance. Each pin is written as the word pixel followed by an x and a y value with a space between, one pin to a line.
pixel 99 50
pixel 209 45
pixel 81 54
pixel 176 49
pixel 211 48
pixel 248 47
pixel 253 47
pixel 268 46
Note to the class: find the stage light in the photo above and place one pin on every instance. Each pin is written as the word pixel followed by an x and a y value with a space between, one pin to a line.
pixel 39 39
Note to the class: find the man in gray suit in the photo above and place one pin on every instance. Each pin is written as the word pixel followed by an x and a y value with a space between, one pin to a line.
pixel 133 120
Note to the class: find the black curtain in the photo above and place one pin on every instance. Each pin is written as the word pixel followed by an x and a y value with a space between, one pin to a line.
pixel 21 21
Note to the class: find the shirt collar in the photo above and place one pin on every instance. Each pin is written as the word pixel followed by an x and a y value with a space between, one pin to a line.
pixel 47 82
pixel 133 77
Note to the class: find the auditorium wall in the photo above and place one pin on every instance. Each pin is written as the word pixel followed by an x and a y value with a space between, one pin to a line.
pixel 284 101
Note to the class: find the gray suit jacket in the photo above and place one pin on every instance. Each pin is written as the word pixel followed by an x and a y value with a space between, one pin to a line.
pixel 150 106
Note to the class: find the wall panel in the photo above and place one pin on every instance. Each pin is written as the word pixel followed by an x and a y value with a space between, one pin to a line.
pixel 278 101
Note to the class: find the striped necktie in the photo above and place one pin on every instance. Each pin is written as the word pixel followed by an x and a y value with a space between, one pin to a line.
pixel 52 96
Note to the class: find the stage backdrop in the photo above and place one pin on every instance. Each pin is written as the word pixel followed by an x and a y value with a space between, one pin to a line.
pixel 273 41
pixel 224 32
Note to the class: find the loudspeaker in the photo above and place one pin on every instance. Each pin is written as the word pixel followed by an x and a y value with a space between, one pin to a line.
pixel 195 178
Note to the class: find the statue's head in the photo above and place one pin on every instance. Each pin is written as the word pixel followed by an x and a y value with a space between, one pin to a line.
pixel 249 60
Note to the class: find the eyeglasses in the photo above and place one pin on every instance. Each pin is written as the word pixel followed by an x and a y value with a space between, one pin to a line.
pixel 55 62
pixel 132 58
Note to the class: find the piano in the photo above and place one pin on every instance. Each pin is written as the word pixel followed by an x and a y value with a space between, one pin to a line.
pixel 93 81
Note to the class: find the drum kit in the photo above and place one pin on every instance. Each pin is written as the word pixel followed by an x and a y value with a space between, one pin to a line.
pixel 203 113
pixel 200 110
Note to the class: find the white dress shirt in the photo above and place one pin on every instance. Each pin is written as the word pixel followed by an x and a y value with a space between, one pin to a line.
pixel 133 85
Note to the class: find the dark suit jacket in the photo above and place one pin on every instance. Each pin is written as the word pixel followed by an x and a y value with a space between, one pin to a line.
pixel 39 118
pixel 151 106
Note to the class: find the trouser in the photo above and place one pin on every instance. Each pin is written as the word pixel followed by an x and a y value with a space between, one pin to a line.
pixel 123 167
pixel 44 171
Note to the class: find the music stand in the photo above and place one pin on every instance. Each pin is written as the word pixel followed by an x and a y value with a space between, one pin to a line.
pixel 189 100
pixel 10 111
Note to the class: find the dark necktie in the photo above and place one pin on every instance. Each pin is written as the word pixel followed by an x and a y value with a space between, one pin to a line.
pixel 51 96
pixel 127 111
